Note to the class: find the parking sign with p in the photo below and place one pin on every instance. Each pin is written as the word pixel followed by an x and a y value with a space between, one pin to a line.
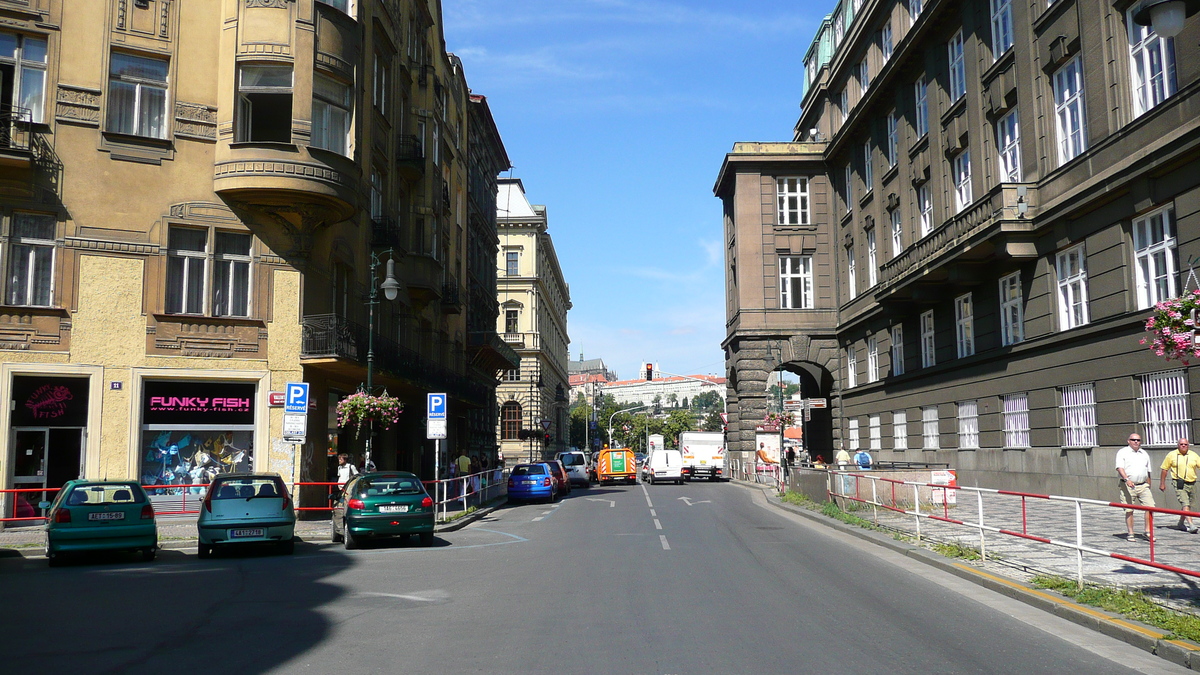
pixel 295 398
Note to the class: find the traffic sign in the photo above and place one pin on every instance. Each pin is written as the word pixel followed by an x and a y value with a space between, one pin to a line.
pixel 436 429
pixel 545 425
pixel 296 397
pixel 817 402
pixel 436 408
pixel 295 426
pixel 275 399
pixel 793 405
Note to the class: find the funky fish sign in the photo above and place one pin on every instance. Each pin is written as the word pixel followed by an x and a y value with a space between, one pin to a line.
pixel 49 401
pixel 172 403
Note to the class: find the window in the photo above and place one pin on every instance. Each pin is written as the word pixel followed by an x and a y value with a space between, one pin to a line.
pixel 897 233
pixel 853 424
pixel 921 108
pixel 898 349
pixel 958 71
pixel 839 30
pixel 1151 65
pixel 914 9
pixel 872 360
pixel 376 194
pixel 381 83
pixel 435 141
pixel 885 41
pixel 264 110
pixel 962 180
pixel 900 430
pixel 510 421
pixel 1008 140
pixel 844 105
pixel 512 375
pixel 929 427
pixel 512 263
pixel 23 73
pixel 851 276
pixel 1072 288
pixel 1012 311
pixel 187 259
pixel 1165 408
pixel 31 261
pixel 864 77
pixel 875 432
pixel 1016 421
pixel 343 5
pixel 795 282
pixel 925 207
pixel 1154 258
pixel 968 425
pixel 928 357
pixel 851 367
pixel 1002 27
pixel 964 326
pixel 872 259
pixel 892 139
pixel 1079 415
pixel 849 196
pixel 791 196
pixel 868 170
pixel 137 96
pixel 510 321
pixel 331 115
pixel 1069 114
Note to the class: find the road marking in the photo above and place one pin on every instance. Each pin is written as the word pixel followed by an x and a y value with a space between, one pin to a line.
pixel 647 494
pixel 611 502
pixel 652 512
pixel 663 539
pixel 689 502
pixel 657 525
pixel 437 596
pixel 537 519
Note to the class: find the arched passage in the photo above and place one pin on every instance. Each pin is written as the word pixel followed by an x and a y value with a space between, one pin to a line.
pixel 816 383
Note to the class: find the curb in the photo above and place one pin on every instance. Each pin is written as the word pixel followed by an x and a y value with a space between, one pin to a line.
pixel 1140 635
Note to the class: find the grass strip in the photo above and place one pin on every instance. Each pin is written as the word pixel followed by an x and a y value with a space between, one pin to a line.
pixel 1129 604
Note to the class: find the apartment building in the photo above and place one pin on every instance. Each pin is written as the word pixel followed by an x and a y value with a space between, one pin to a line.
pixel 197 200
pixel 534 299
pixel 989 199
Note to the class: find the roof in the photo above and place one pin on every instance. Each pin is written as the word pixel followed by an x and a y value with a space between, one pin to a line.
pixel 590 364
pixel 511 201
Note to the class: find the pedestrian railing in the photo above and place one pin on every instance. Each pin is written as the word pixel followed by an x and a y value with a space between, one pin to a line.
pixel 968 507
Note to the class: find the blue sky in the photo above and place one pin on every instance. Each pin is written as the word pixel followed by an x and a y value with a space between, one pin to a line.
pixel 617 115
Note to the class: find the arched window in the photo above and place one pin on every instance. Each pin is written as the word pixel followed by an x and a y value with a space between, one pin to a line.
pixel 510 421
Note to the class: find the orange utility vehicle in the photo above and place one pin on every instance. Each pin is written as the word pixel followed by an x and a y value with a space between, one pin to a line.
pixel 617 464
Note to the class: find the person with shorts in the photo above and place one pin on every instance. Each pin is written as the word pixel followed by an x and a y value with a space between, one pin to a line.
pixel 1133 467
pixel 1183 466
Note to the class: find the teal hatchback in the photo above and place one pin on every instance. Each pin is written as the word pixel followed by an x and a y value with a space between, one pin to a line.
pixel 382 504
pixel 90 516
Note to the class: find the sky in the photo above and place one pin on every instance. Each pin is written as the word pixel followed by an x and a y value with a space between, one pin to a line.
pixel 616 115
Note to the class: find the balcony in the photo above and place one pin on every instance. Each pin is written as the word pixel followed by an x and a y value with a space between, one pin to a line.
pixel 16 138
pixel 522 340
pixel 386 232
pixel 999 225
pixel 422 272
pixel 451 303
pixel 489 352
pixel 410 158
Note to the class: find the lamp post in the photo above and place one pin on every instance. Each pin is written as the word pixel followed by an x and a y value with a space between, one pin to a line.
pixel 610 419
pixel 534 422
pixel 391 290
pixel 1164 17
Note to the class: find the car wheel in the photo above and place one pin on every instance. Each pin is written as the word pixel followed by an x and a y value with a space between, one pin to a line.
pixel 426 538
pixel 287 547
pixel 204 551
pixel 149 552
pixel 352 542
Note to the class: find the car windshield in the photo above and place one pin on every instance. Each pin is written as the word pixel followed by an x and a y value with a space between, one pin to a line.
pixel 572 460
pixel 247 488
pixel 385 486
pixel 529 470
pixel 99 495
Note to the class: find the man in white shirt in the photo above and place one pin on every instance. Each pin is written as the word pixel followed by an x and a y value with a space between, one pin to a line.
pixel 1133 466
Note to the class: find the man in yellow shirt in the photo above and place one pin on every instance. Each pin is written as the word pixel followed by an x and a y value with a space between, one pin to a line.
pixel 1183 466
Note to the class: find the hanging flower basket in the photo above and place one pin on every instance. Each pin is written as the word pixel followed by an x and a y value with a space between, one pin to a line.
pixel 774 419
pixel 1171 328
pixel 360 407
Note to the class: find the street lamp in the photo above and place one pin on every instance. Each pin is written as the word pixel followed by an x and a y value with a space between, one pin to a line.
pixel 610 419
pixel 534 423
pixel 1164 17
pixel 391 290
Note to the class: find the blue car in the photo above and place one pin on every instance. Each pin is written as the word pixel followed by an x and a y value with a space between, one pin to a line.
pixel 531 481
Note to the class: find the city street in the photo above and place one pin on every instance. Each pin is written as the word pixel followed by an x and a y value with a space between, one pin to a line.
pixel 697 578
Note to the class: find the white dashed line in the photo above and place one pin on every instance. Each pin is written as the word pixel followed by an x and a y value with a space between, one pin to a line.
pixel 663 539
pixel 657 525
pixel 653 513
pixel 537 519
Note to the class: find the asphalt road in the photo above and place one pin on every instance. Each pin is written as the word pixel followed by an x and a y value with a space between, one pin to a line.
pixel 699 578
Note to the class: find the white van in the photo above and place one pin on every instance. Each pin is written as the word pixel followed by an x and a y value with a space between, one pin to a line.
pixel 664 465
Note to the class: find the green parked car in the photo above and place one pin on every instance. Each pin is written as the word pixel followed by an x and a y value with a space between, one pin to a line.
pixel 91 515
pixel 382 504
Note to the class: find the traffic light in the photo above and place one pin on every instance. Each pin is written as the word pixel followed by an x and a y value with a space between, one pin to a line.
pixel 649 372
pixel 546 438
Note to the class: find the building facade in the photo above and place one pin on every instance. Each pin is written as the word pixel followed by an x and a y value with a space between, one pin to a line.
pixel 669 390
pixel 194 199
pixel 534 299
pixel 587 377
pixel 989 198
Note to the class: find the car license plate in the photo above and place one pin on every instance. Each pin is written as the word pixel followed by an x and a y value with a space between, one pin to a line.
pixel 703 462
pixel 107 515
pixel 255 532
pixel 529 482
pixel 400 508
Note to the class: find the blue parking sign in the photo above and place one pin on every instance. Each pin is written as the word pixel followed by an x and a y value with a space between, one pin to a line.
pixel 296 397
pixel 436 408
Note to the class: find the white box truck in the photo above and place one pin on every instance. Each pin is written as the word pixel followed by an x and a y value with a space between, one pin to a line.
pixel 703 454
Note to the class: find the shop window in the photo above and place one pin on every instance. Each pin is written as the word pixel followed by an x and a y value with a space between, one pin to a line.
pixel 31 260
pixel 137 96
pixel 264 104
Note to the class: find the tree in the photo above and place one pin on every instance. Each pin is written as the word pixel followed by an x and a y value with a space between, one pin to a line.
pixel 673 400
pixel 713 422
pixel 684 404
pixel 676 423
pixel 705 401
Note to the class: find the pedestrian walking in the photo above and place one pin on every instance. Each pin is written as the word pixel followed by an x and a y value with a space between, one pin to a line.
pixel 345 470
pixel 842 458
pixel 791 456
pixel 1183 466
pixel 1133 467
pixel 862 459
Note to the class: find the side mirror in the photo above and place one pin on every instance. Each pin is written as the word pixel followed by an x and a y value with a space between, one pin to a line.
pixel 43 505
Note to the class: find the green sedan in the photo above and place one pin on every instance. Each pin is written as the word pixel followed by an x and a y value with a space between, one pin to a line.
pixel 382 504
pixel 100 516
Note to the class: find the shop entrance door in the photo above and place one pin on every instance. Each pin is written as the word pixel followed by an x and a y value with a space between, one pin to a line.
pixel 45 458
pixel 29 471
